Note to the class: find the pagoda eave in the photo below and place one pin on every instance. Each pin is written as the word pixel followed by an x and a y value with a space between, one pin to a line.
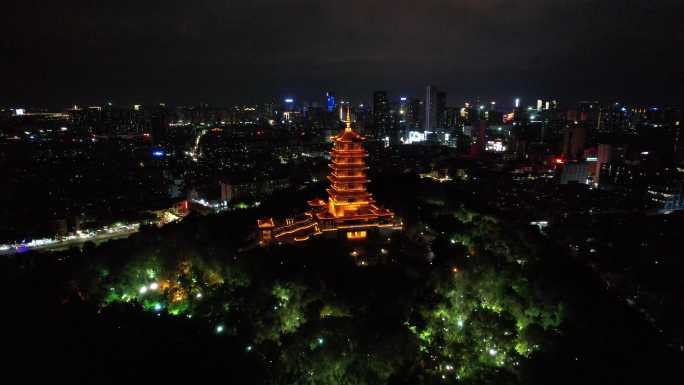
pixel 349 153
pixel 348 177
pixel 354 180
pixel 349 192
pixel 342 166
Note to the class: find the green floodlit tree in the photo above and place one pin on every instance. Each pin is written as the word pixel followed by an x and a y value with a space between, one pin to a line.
pixel 472 315
pixel 481 323
pixel 477 300
pixel 280 313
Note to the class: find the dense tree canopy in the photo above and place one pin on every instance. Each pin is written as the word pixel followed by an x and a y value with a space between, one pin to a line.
pixel 458 297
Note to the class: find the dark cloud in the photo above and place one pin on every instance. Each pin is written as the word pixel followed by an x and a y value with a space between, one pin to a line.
pixel 230 51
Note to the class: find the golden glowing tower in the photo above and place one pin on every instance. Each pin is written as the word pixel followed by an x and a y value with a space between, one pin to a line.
pixel 348 196
pixel 350 207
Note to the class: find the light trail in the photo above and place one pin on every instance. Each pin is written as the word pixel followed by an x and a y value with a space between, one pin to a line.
pixel 195 153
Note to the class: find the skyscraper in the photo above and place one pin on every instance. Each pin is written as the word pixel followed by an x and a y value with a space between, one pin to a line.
pixel 381 116
pixel 403 109
pixel 430 116
pixel 414 113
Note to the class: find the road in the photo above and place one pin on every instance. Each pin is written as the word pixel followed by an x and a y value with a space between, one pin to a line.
pixel 64 243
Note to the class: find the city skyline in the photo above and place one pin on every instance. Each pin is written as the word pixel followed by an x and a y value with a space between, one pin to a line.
pixel 346 192
pixel 394 99
pixel 224 53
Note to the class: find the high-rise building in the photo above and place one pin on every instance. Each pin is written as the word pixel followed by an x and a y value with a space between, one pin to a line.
pixel 226 191
pixel 414 113
pixel 574 141
pixel 403 109
pixel 613 119
pixel 588 112
pixel 440 110
pixel 343 106
pixel 382 121
pixel 604 155
pixel 478 146
pixel 160 125
pixel 430 117
pixel 678 138
pixel 330 101
pixel 288 104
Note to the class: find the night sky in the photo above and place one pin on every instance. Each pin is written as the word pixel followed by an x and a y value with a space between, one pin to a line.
pixel 56 53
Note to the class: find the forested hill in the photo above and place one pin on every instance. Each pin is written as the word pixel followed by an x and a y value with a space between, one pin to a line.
pixel 458 297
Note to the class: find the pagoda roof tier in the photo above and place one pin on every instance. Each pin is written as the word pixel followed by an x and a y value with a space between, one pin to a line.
pixel 343 147
pixel 348 200
pixel 349 177
pixel 363 225
pixel 351 180
pixel 350 217
pixel 324 215
pixel 343 195
pixel 335 194
pixel 351 153
pixel 338 167
pixel 382 212
pixel 336 162
pixel 348 166
pixel 348 136
pixel 348 191
pixel 317 202
pixel 347 186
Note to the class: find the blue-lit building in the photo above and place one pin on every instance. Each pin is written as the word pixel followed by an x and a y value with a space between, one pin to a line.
pixel 330 101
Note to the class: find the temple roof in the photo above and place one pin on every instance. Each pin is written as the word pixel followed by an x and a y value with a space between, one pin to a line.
pixel 349 153
pixel 316 202
pixel 265 223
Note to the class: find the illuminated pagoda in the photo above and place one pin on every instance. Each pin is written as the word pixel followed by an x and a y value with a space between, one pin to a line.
pixel 350 207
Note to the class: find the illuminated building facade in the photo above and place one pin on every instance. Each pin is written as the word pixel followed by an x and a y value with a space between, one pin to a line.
pixel 350 208
pixel 382 120
pixel 330 101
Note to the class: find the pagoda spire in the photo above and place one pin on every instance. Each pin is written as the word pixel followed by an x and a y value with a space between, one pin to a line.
pixel 347 121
